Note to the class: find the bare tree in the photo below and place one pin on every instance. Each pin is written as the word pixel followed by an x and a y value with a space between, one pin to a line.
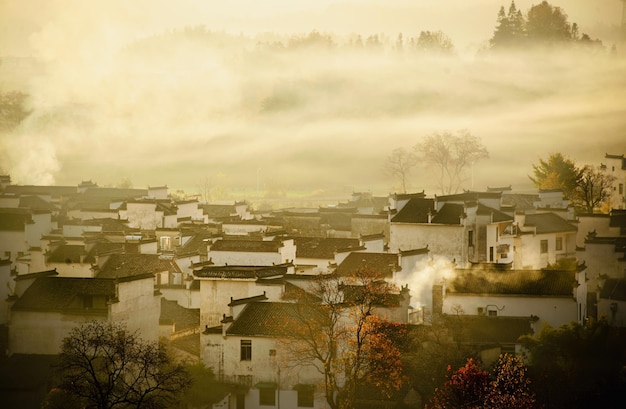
pixel 593 187
pixel 336 331
pixel 399 164
pixel 451 155
pixel 106 366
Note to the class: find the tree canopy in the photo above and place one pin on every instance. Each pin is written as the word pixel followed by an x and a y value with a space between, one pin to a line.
pixel 470 386
pixel 556 172
pixel 335 330
pixel 451 154
pixel 587 359
pixel 104 365
pixel 544 25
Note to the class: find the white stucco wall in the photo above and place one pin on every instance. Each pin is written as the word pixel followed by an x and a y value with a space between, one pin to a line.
pixel 138 307
pixel 555 311
pixel 442 240
pixel 215 295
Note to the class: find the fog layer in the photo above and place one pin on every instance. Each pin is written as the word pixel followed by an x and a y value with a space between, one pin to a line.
pixel 114 96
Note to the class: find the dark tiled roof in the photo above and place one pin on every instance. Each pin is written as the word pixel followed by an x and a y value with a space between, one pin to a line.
pixel 14 219
pixel 519 201
pixel 129 265
pixel 549 223
pixel 197 243
pixel 337 219
pixel 54 191
pixel 321 247
pixel 241 272
pixel 614 289
pixel 513 282
pixel 498 216
pixel 489 330
pixel 183 318
pixel 217 210
pixel 246 245
pixel 36 203
pixel 469 196
pixel 268 319
pixel 415 211
pixel 106 247
pixel 67 253
pixel 382 263
pixel 58 293
pixel 450 213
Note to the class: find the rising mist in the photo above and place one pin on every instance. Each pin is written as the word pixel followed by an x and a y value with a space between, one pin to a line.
pixel 184 92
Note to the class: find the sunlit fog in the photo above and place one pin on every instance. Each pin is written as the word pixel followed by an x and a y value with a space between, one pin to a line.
pixel 296 96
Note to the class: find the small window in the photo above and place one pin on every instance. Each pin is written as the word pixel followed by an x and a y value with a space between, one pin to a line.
pixel 470 238
pixel 267 396
pixel 559 243
pixel 272 352
pixel 543 246
pixel 491 253
pixel 493 313
pixel 305 397
pixel 621 188
pixel 246 350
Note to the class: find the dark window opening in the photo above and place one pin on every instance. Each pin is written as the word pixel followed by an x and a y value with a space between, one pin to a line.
pixel 246 350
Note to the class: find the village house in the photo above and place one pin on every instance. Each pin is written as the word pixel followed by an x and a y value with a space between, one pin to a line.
pixel 554 297
pixel 51 306
pixel 256 251
pixel 616 166
pixel 219 285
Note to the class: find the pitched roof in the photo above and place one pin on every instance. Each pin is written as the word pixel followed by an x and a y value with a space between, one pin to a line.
pixel 469 196
pixel 383 263
pixel 614 289
pixel 15 219
pixel 36 203
pixel 58 293
pixel 241 272
pixel 322 247
pixel 549 223
pixel 172 312
pixel 130 265
pixel 520 201
pixel 415 211
pixel 513 282
pixel 67 253
pixel 450 213
pixel 268 319
pixel 498 216
pixel 246 245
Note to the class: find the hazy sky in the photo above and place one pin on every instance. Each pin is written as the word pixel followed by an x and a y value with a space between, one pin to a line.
pixel 106 107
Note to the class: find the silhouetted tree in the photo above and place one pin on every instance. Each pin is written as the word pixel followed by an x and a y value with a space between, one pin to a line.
pixel 434 41
pixel 107 366
pixel 510 28
pixel 451 154
pixel 548 24
pixel 594 188
pixel 398 165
